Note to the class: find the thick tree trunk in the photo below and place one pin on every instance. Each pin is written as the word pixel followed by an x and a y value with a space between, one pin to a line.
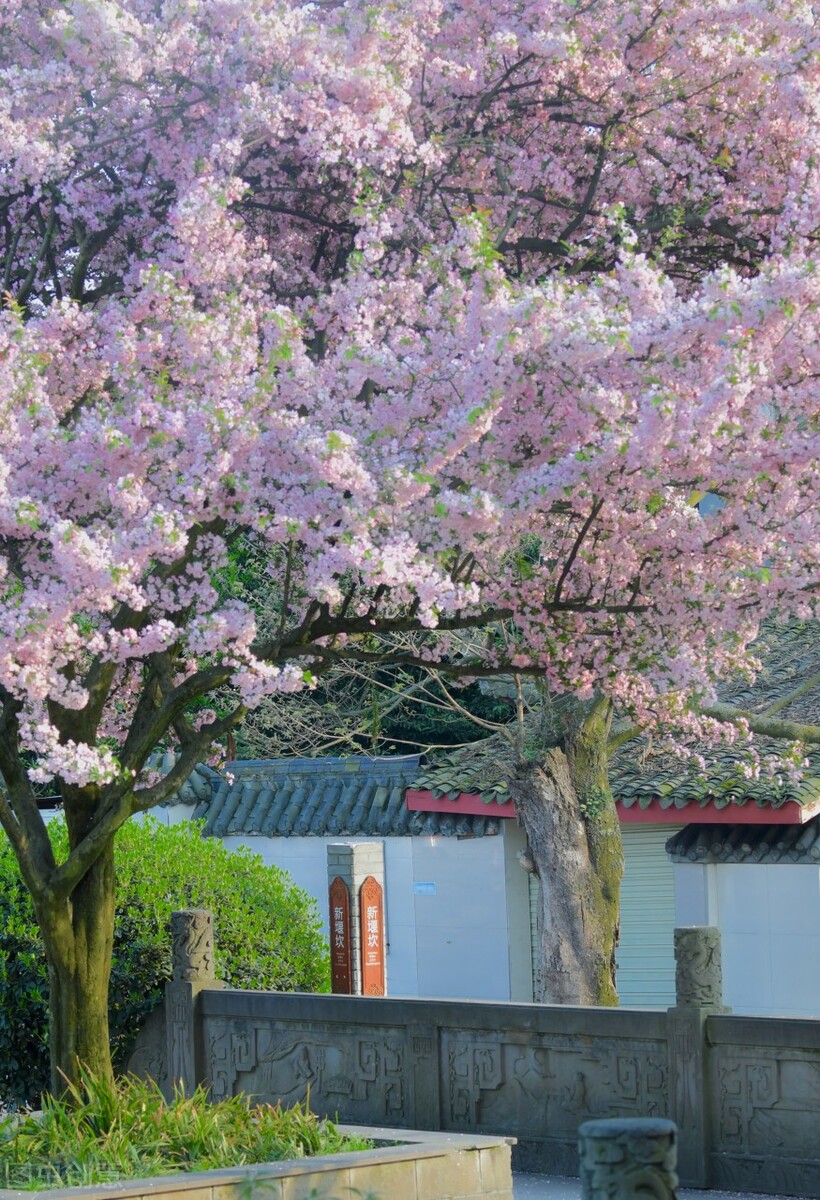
pixel 566 808
pixel 78 940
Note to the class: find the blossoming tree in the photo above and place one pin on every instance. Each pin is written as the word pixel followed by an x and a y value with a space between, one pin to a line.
pixel 397 290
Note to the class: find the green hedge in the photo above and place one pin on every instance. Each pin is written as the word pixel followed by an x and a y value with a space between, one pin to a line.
pixel 268 935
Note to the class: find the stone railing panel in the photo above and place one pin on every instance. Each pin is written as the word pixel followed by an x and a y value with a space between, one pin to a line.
pixel 765 1080
pixel 525 1070
pixel 743 1092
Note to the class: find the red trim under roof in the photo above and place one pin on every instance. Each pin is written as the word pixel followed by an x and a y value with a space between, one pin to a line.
pixel 471 803
pixel 789 813
pixel 465 802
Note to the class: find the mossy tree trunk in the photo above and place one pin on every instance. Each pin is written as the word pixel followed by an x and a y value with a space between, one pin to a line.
pixel 567 810
pixel 78 936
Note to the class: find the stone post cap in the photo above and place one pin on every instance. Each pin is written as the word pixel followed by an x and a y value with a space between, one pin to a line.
pixel 615 1127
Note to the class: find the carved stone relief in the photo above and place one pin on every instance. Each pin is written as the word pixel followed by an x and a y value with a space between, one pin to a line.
pixel 774 1176
pixel 222 1069
pixel 698 971
pixel 360 1078
pixel 628 1157
pixel 192 934
pixel 149 1056
pixel 543 1090
pixel 768 1104
pixel 180 1034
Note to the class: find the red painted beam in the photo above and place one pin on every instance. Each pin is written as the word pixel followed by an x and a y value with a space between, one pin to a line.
pixel 467 802
pixel 471 803
pixel 789 813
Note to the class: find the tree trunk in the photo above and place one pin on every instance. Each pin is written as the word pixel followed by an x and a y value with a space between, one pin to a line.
pixel 78 937
pixel 566 808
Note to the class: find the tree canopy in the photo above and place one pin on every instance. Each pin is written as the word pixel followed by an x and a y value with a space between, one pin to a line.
pixel 456 308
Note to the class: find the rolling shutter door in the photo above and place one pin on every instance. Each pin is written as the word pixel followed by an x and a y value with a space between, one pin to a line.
pixel 646 957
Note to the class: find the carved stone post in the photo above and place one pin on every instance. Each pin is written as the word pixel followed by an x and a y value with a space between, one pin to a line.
pixel 192 934
pixel 699 995
pixel 698 969
pixel 626 1157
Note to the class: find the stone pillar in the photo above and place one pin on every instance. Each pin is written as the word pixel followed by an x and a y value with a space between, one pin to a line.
pixel 698 969
pixel 699 995
pixel 192 936
pixel 353 862
pixel 624 1157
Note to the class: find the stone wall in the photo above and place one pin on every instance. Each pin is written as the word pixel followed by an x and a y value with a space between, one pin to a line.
pixel 744 1092
pixel 525 1071
pixel 764 1083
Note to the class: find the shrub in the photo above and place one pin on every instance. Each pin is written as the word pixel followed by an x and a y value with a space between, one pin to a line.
pixel 268 935
pixel 100 1133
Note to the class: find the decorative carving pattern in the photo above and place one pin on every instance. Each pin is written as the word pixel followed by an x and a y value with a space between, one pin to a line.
pixel 768 1104
pixel 358 1078
pixel 221 1068
pixel 624 1158
pixel 474 1067
pixel 192 934
pixel 545 1088
pixel 539 1086
pixel 149 1056
pixel 686 1091
pixel 180 1034
pixel 637 1081
pixel 289 1068
pixel 698 973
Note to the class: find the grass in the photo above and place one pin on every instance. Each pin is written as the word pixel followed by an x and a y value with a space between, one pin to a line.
pixel 101 1132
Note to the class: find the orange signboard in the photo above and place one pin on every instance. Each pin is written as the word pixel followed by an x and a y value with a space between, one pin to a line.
pixel 341 976
pixel 371 913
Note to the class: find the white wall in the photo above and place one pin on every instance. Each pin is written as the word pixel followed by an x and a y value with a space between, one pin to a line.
pixel 305 860
pixel 461 917
pixel 519 929
pixel 446 911
pixel 769 918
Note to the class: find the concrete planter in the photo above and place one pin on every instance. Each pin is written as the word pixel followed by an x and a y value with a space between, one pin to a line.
pixel 423 1166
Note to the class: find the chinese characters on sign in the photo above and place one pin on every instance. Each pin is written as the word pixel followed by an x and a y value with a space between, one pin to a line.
pixel 371 914
pixel 341 976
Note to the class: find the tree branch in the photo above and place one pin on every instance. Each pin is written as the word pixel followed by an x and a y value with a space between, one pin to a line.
pixel 807 686
pixel 20 816
pixel 793 731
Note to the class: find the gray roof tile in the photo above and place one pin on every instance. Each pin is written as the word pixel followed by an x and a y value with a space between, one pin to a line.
pixel 644 771
pixel 346 797
pixel 763 844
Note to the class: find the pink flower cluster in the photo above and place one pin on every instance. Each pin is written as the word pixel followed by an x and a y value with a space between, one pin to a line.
pixel 455 307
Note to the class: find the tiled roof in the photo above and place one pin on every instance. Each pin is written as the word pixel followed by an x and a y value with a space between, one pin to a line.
pixel 636 783
pixel 345 797
pixel 642 772
pixel 790 655
pixel 196 788
pixel 764 844
pixel 480 768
